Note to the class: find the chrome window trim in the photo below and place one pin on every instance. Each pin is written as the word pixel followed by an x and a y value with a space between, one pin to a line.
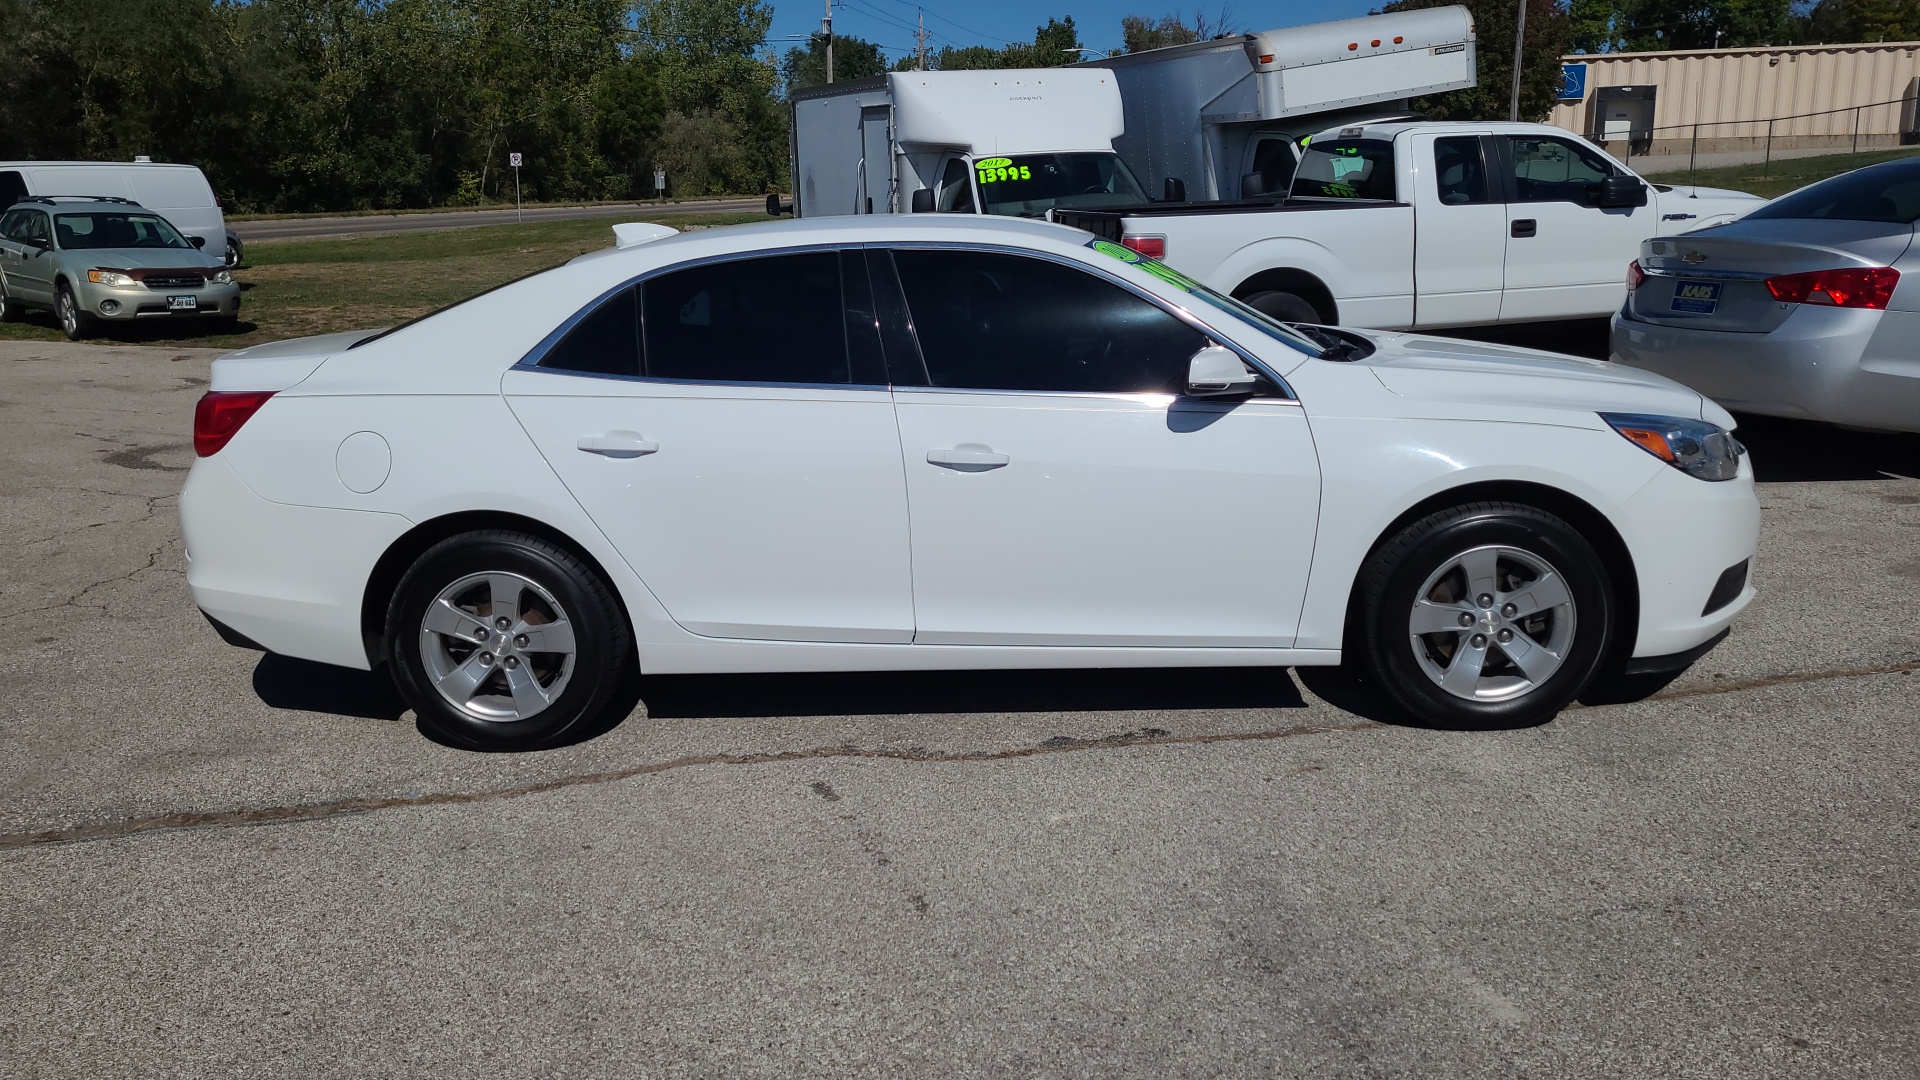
pixel 1742 275
pixel 1178 312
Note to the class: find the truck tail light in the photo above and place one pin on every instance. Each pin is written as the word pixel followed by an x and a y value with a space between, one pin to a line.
pixel 219 415
pixel 1153 247
pixel 1856 287
pixel 1636 277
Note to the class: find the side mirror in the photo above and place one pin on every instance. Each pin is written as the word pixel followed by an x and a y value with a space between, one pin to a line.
pixel 775 207
pixel 1217 371
pixel 1252 186
pixel 922 201
pixel 197 241
pixel 1175 190
pixel 1616 192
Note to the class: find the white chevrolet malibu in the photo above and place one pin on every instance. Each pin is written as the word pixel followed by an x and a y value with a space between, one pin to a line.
pixel 861 444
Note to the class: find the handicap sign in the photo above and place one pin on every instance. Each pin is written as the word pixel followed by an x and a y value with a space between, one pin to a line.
pixel 1573 82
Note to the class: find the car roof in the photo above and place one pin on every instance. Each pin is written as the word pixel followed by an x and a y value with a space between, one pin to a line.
pixel 75 202
pixel 1392 128
pixel 843 229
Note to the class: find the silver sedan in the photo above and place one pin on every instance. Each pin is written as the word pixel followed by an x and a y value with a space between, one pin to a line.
pixel 1808 307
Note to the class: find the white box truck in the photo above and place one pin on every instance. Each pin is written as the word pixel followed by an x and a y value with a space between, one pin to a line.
pixel 1224 116
pixel 179 193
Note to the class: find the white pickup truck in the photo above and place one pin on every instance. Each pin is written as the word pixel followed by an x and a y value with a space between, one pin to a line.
pixel 1425 224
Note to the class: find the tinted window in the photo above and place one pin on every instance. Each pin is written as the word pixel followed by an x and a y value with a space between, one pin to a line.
pixel 1274 160
pixel 10 224
pixel 606 342
pixel 1458 171
pixel 1887 193
pixel 1346 169
pixel 1003 322
pixel 779 319
pixel 33 226
pixel 13 187
pixel 116 230
pixel 956 193
pixel 1554 170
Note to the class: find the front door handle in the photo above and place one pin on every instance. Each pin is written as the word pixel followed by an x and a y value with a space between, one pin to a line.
pixel 1523 228
pixel 618 444
pixel 967 457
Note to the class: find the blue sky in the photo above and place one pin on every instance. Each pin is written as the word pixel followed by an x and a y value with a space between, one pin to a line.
pixel 995 22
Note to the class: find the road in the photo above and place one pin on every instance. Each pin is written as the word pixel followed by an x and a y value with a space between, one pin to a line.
pixel 219 864
pixel 313 228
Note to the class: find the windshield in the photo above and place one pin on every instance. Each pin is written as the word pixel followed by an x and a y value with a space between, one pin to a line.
pixel 1886 193
pixel 115 229
pixel 1028 185
pixel 1273 328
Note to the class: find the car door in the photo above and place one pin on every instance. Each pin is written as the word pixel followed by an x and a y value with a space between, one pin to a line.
pixel 728 427
pixel 11 250
pixel 1565 259
pixel 1063 491
pixel 1460 243
pixel 31 277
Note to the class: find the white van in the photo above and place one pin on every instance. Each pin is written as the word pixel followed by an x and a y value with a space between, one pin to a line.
pixel 179 193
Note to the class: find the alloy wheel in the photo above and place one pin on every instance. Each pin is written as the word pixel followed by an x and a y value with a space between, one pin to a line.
pixel 1492 623
pixel 497 646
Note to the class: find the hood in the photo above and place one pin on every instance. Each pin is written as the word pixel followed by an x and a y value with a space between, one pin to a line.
pixel 1446 371
pixel 1693 191
pixel 140 258
pixel 1687 207
pixel 278 365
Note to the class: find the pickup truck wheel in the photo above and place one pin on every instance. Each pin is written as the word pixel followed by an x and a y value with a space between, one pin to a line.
pixel 1285 306
pixel 1487 615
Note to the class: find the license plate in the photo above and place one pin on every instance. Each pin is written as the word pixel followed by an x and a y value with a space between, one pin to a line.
pixel 1696 297
pixel 183 303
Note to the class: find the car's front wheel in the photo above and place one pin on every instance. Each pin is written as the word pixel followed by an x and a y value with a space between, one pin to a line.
pixel 501 640
pixel 74 323
pixel 9 310
pixel 1484 615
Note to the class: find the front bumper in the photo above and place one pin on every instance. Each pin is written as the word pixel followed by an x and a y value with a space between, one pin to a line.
pixel 1684 535
pixel 131 302
pixel 1838 365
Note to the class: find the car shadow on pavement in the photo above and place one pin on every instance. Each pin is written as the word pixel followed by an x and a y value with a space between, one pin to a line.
pixel 685 697
pixel 285 683
pixel 1794 451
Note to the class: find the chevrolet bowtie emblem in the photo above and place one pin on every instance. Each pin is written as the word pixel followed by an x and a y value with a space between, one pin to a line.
pixel 1692 257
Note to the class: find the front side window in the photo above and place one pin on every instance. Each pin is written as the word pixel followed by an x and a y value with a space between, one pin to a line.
pixel 1346 169
pixel 779 319
pixel 1274 160
pixel 1554 170
pixel 992 321
pixel 1459 171
pixel 956 189
pixel 1028 185
pixel 33 226
pixel 103 229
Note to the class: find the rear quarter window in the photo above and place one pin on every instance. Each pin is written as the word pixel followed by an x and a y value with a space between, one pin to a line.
pixel 1346 169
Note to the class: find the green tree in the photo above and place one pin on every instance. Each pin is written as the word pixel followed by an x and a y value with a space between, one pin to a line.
pixel 853 58
pixel 1834 21
pixel 1140 32
pixel 1649 25
pixel 1056 44
pixel 1547 39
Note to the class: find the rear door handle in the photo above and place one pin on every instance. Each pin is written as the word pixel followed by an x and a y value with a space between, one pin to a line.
pixel 1524 227
pixel 618 444
pixel 967 458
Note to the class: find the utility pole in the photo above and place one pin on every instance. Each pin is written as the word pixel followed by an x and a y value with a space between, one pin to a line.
pixel 826 28
pixel 920 42
pixel 1519 48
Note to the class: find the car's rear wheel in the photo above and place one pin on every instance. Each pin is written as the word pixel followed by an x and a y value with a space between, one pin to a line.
pixel 1284 306
pixel 1482 616
pixel 74 323
pixel 501 640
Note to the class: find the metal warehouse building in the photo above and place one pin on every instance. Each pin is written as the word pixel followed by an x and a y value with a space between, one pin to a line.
pixel 1715 101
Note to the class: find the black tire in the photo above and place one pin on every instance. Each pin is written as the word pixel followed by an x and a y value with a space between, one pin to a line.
pixel 1409 669
pixel 9 309
pixel 233 256
pixel 75 323
pixel 1284 306
pixel 602 642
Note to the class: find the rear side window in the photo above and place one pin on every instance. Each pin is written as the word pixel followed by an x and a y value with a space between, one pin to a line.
pixel 780 319
pixel 990 321
pixel 1346 169
pixel 1891 195
pixel 1459 171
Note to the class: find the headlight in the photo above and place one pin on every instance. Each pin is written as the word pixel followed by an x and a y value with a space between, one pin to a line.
pixel 109 277
pixel 1695 447
pixel 221 277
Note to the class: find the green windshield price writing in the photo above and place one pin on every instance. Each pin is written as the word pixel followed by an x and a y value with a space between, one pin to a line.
pixel 994 170
pixel 1158 269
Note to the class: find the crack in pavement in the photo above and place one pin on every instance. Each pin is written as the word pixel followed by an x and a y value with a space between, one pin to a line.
pixel 1059 744
pixel 1761 682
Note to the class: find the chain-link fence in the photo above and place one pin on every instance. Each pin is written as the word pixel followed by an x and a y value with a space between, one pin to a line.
pixel 1706 144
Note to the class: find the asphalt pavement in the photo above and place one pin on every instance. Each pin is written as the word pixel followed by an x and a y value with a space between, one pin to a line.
pixel 215 863
pixel 315 228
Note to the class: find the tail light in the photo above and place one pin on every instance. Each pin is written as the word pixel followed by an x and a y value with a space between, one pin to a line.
pixel 1856 287
pixel 1636 277
pixel 219 416
pixel 1153 247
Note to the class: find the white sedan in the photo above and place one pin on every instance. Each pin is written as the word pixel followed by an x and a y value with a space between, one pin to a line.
pixel 932 443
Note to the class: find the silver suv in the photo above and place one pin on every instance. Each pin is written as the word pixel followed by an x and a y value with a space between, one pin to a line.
pixel 91 259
